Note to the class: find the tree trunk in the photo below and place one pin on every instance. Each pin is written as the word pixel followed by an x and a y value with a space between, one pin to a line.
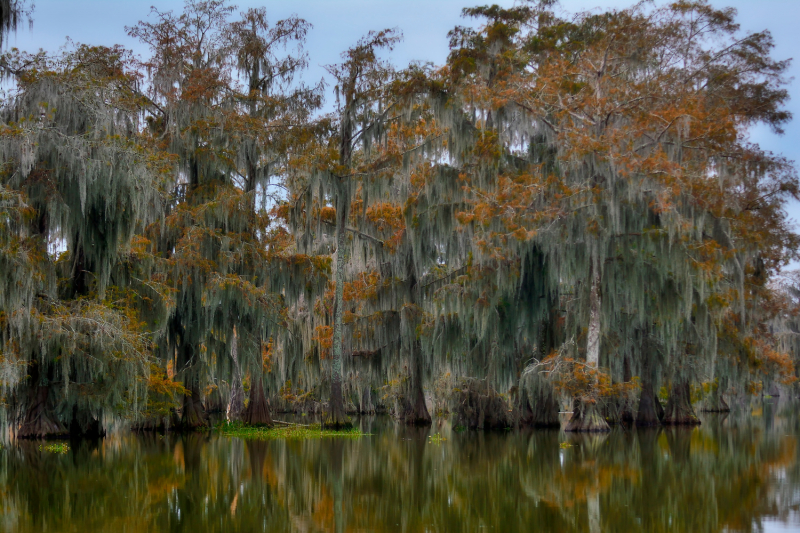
pixel 595 304
pixel 541 410
pixel 39 421
pixel 626 415
pixel 236 402
pixel 80 284
pixel 336 417
pixel 659 407
pixel 85 425
pixel 773 390
pixel 478 406
pixel 215 402
pixel 257 413
pixel 194 414
pixel 416 411
pixel 586 416
pixel 647 415
pixel 715 403
pixel 679 406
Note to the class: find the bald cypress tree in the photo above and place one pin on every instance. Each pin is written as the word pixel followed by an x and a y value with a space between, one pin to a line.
pixel 89 182
pixel 565 206
pixel 364 103
pixel 624 191
pixel 223 99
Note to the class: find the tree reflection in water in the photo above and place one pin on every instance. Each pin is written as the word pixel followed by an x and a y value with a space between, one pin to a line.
pixel 730 474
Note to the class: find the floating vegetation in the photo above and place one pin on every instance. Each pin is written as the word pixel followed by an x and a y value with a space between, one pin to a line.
pixel 56 447
pixel 286 432
pixel 436 438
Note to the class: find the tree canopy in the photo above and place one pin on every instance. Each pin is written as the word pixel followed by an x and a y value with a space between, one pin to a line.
pixel 568 210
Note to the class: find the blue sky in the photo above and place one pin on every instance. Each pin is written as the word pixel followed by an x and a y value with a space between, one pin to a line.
pixel 424 23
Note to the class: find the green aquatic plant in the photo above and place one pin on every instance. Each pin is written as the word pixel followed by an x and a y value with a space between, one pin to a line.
pixel 285 432
pixel 436 438
pixel 57 447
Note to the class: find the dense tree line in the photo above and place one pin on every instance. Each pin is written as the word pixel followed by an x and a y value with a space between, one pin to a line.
pixel 568 209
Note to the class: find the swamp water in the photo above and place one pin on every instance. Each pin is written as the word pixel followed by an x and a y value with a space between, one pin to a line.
pixel 734 473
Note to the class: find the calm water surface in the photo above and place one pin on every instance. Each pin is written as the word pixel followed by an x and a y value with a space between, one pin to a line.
pixel 734 473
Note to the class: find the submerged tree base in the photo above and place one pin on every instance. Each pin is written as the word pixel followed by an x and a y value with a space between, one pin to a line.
pixel 39 421
pixel 586 418
pixel 337 424
pixel 544 412
pixel 650 412
pixel 194 414
pixel 416 414
pixel 85 425
pixel 716 405
pixel 313 431
pixel 478 406
pixel 257 412
pixel 679 411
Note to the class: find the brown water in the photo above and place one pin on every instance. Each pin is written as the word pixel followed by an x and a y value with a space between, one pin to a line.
pixel 734 473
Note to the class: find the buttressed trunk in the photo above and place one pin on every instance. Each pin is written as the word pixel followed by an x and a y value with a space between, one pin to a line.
pixel 416 411
pixel 540 406
pixel 39 421
pixel 257 413
pixel 586 416
pixel 194 414
pixel 647 415
pixel 679 409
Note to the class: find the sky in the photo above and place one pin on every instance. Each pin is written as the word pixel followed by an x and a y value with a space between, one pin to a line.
pixel 337 25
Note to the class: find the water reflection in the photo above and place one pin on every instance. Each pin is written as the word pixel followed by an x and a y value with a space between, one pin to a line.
pixel 734 473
